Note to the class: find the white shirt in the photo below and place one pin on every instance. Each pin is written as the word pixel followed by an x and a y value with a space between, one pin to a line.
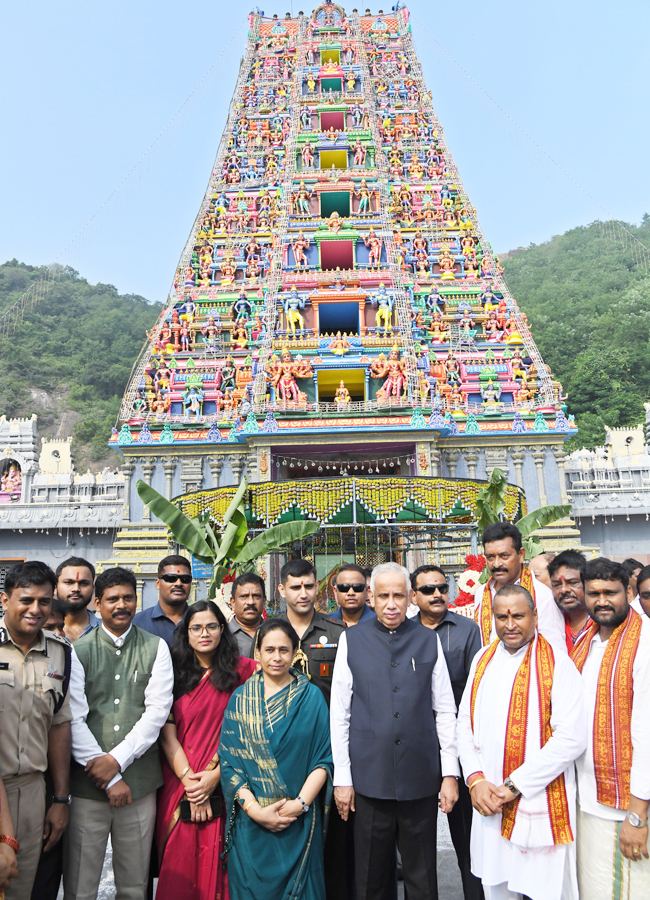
pixel 640 729
pixel 158 697
pixel 550 621
pixel 529 863
pixel 442 702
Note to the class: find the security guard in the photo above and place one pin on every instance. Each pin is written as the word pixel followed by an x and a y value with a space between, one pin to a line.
pixel 34 717
pixel 319 635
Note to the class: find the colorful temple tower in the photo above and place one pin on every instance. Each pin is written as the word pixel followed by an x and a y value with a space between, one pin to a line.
pixel 338 328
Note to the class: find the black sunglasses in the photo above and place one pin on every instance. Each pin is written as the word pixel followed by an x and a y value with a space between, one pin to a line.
pixel 172 579
pixel 344 588
pixel 432 588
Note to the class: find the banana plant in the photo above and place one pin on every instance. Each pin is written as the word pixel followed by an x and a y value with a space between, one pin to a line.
pixel 491 503
pixel 232 549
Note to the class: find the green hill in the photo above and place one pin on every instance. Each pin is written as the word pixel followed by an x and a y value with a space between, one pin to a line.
pixel 70 358
pixel 587 298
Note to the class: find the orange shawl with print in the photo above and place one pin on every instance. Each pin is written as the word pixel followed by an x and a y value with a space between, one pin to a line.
pixel 612 737
pixel 516 730
pixel 483 613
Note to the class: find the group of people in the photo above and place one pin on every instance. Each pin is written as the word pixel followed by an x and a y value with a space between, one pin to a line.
pixel 306 755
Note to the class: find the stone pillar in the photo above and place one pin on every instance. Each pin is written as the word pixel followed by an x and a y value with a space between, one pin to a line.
pixel 517 456
pixel 539 455
pixel 560 456
pixel 215 463
pixel 169 466
pixel 451 456
pixel 127 471
pixel 148 465
pixel 315 326
pixel 471 458
pixel 191 473
pixel 236 464
pixel 362 317
pixel 435 461
pixel 496 458
pixel 251 465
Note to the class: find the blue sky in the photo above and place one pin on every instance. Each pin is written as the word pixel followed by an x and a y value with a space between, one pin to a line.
pixel 87 88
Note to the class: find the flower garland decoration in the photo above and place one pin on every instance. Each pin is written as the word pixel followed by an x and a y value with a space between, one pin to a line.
pixel 469 580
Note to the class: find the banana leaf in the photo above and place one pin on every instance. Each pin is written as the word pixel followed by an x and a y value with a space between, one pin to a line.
pixel 275 537
pixel 491 500
pixel 234 535
pixel 545 515
pixel 186 531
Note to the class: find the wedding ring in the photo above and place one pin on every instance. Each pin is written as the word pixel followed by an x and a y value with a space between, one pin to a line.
pixel 635 851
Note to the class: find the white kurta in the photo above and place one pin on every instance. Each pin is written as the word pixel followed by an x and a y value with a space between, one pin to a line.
pixel 550 621
pixel 529 863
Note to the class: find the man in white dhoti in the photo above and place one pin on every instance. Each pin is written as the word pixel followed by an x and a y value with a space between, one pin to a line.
pixel 614 772
pixel 521 726
pixel 505 557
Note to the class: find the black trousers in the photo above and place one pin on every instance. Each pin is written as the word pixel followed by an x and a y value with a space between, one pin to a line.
pixel 460 827
pixel 50 865
pixel 339 857
pixel 378 824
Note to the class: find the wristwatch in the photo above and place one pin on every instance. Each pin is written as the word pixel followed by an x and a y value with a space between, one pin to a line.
pixel 305 806
pixel 512 787
pixel 67 800
pixel 636 821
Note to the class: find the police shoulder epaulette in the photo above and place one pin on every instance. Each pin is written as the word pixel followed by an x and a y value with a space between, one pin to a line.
pixel 4 635
pixel 53 636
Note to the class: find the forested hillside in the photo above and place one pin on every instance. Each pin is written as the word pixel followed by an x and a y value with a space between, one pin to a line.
pixel 587 298
pixel 70 358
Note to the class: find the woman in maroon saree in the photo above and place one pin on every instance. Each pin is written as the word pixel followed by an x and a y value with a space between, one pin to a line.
pixel 207 669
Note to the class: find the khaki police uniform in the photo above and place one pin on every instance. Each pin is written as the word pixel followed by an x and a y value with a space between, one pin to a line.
pixel 33 697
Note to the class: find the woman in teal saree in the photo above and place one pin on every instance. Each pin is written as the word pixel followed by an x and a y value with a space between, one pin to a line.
pixel 276 775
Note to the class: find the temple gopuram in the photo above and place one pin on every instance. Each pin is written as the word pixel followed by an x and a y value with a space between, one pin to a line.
pixel 338 329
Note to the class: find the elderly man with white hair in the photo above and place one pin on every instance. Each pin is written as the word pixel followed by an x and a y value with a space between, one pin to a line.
pixel 393 724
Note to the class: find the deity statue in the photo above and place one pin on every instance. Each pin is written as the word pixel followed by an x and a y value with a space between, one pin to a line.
pixel 491 394
pixel 239 336
pixel 140 406
pixel 374 244
pixel 11 481
pixel 365 196
pixel 394 387
pixel 339 345
pixel 359 158
pixel 334 222
pixel 342 396
pixel 228 375
pixel 446 263
pixel 383 302
pixel 288 371
pixel 307 154
pixel 292 304
pixel 242 308
pixel 193 401
pixel 456 399
pixel 438 328
pixel 299 246
pixel 301 199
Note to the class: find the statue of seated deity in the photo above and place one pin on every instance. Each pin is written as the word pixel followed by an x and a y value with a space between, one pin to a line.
pixel 342 397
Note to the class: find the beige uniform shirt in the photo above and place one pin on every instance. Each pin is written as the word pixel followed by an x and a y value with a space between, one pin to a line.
pixel 31 687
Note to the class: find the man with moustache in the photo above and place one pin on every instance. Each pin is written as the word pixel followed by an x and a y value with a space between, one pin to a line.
pixel 461 641
pixel 642 602
pixel 248 599
pixel 521 726
pixel 566 572
pixel 120 697
pixel 505 556
pixel 173 584
pixel 75 584
pixel 393 724
pixel 351 595
pixel 34 718
pixel 614 771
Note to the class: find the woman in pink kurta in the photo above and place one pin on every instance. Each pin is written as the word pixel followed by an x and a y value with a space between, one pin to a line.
pixel 207 669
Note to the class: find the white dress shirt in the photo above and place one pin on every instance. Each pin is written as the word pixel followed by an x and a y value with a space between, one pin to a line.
pixel 158 697
pixel 640 728
pixel 442 703
pixel 550 621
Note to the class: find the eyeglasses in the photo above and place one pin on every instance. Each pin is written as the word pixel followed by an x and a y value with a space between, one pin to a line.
pixel 172 579
pixel 429 589
pixel 210 628
pixel 344 588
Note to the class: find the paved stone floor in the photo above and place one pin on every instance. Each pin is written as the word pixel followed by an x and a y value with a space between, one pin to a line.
pixel 449 884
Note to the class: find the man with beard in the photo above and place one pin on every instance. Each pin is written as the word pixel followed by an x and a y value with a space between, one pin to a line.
pixel 505 557
pixel 173 583
pixel 566 572
pixel 614 772
pixel 75 583
pixel 461 641
pixel 248 598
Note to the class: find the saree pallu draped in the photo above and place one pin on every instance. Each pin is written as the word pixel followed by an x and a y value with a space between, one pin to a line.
pixel 483 612
pixel 612 734
pixel 271 748
pixel 190 867
pixel 538 667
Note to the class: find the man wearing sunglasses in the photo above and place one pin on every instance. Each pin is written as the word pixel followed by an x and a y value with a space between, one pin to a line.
pixel 460 638
pixel 351 596
pixel 173 583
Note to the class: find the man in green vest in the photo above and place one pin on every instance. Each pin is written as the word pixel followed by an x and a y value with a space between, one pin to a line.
pixel 120 697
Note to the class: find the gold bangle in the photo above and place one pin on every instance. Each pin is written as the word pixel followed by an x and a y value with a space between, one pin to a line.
pixel 249 804
pixel 474 783
pixel 184 773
